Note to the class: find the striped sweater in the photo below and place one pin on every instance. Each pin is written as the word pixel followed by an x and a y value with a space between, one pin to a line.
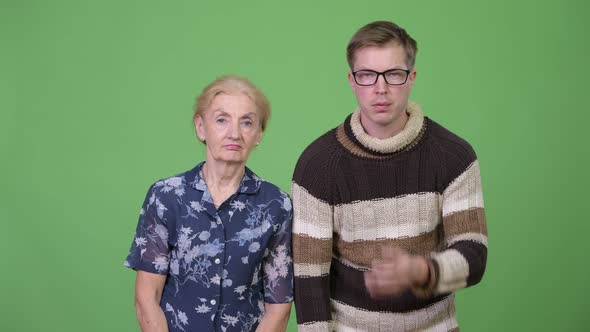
pixel 353 194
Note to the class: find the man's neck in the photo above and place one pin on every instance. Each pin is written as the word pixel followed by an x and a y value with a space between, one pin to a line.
pixel 388 131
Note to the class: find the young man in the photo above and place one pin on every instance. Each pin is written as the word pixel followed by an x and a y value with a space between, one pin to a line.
pixel 388 209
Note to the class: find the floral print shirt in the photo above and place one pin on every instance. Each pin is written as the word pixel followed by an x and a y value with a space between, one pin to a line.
pixel 222 264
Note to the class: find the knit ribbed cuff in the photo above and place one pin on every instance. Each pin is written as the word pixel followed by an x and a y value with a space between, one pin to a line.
pixel 427 290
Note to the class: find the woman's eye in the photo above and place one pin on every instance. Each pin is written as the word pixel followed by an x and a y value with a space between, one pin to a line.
pixel 220 120
pixel 247 123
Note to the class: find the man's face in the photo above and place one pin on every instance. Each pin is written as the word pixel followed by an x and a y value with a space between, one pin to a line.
pixel 382 105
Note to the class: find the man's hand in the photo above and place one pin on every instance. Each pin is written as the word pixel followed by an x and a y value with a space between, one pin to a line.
pixel 395 273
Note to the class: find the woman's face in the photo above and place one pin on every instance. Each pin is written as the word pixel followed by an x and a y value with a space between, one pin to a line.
pixel 230 127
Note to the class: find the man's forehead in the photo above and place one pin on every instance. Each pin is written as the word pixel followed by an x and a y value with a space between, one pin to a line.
pixel 386 57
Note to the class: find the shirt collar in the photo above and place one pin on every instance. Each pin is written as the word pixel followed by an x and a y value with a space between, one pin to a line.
pixel 250 182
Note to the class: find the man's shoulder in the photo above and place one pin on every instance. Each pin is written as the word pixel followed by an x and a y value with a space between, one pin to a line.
pixel 317 165
pixel 319 151
pixel 449 142
pixel 321 146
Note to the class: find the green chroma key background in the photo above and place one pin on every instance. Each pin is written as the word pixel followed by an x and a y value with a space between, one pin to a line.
pixel 95 105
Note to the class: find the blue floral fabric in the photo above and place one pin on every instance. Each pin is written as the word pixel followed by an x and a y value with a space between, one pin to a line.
pixel 222 264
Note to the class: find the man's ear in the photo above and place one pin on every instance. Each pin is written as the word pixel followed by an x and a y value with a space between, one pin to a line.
pixel 351 80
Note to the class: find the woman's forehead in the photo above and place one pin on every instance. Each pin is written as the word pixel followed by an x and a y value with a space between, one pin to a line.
pixel 233 104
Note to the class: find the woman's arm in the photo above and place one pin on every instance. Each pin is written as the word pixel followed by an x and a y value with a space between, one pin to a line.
pixel 276 317
pixel 148 292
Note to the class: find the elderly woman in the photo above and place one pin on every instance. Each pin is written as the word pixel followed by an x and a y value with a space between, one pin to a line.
pixel 212 248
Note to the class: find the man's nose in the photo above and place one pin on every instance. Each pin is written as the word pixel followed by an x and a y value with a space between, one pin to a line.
pixel 381 85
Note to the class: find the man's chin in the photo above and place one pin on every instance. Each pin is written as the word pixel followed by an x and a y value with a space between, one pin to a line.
pixel 382 117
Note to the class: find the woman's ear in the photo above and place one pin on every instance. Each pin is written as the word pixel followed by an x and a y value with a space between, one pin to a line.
pixel 200 128
pixel 259 137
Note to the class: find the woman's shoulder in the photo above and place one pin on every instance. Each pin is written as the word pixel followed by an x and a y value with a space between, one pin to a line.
pixel 175 186
pixel 269 192
pixel 264 185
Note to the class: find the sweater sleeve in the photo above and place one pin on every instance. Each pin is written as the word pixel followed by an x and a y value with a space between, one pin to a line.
pixel 312 241
pixel 463 262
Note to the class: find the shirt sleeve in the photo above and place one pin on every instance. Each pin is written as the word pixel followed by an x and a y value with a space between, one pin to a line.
pixel 150 250
pixel 278 261
pixel 463 262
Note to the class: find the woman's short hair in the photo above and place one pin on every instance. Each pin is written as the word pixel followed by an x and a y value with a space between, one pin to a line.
pixel 234 84
pixel 382 33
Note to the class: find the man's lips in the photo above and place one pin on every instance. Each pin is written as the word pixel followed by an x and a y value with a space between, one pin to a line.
pixel 382 104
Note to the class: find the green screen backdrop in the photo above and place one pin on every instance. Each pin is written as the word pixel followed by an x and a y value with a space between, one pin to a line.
pixel 96 101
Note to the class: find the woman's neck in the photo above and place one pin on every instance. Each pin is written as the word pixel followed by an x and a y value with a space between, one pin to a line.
pixel 222 179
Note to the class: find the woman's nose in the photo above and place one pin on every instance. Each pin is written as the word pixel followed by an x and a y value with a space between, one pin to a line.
pixel 234 130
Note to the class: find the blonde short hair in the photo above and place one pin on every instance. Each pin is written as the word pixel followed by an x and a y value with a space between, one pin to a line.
pixel 382 33
pixel 232 84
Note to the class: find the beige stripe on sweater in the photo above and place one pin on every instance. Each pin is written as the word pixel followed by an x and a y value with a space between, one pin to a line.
pixel 440 316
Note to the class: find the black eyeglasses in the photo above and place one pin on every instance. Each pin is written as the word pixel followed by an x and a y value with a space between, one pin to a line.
pixel 367 77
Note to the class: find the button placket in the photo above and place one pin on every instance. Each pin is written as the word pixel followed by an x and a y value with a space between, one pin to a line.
pixel 218 267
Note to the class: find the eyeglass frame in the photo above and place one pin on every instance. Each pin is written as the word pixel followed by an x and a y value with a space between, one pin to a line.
pixel 407 71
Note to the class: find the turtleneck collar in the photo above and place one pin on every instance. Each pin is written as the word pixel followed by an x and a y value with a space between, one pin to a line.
pixel 352 135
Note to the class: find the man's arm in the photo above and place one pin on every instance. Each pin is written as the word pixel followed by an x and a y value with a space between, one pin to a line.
pixel 463 262
pixel 148 292
pixel 312 239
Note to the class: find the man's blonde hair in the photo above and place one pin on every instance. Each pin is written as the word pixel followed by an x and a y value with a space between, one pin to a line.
pixel 382 33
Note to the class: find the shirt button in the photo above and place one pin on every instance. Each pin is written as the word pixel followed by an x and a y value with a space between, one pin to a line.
pixel 213 302
pixel 217 260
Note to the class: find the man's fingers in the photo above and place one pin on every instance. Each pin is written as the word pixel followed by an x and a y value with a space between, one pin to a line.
pixel 392 253
pixel 370 282
pixel 388 253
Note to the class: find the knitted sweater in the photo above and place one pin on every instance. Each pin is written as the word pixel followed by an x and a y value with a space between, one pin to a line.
pixel 354 194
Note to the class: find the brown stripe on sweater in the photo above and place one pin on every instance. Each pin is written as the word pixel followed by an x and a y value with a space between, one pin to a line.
pixel 347 285
pixel 351 146
pixel 362 179
pixel 362 253
pixel 312 299
pixel 476 255
pixel 309 250
pixel 466 221
pixel 328 171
